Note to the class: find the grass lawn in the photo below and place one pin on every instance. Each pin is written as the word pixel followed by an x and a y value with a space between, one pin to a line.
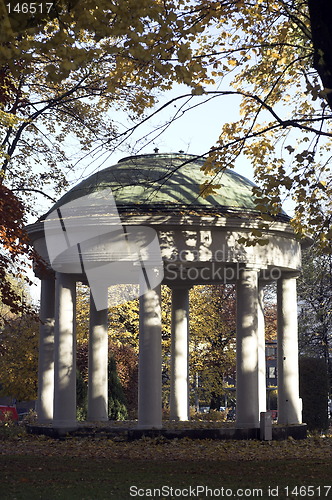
pixel 24 477
pixel 33 467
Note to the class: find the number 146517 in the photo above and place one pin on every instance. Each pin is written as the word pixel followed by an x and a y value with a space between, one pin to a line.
pixel 307 491
pixel 29 8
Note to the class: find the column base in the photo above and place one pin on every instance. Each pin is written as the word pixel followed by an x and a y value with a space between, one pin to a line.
pixel 97 419
pixel 65 425
pixel 44 421
pixel 246 425
pixel 152 427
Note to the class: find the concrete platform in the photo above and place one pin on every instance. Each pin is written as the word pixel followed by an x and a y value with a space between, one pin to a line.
pixel 129 431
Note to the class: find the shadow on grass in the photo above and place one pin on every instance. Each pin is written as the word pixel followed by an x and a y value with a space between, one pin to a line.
pixel 31 477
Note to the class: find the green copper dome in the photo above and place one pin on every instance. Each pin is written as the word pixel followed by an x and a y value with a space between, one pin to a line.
pixel 166 181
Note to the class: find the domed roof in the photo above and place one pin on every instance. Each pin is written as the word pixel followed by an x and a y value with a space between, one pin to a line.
pixel 167 182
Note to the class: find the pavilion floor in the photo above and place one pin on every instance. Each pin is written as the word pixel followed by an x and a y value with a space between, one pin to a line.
pixel 129 430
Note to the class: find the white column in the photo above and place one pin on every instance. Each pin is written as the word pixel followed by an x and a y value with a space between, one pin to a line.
pixel 179 383
pixel 247 394
pixel 46 352
pixel 65 352
pixel 150 362
pixel 289 404
pixel 98 364
pixel 261 350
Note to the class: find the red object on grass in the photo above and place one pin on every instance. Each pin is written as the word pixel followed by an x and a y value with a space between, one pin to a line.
pixel 8 412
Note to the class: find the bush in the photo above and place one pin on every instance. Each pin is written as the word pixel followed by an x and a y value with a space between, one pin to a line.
pixel 212 415
pixel 117 409
pixel 30 418
pixel 117 403
pixel 314 392
pixel 122 382
pixel 81 397
pixel 9 429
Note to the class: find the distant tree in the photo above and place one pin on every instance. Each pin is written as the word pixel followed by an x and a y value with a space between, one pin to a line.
pixel 18 345
pixel 82 355
pixel 81 396
pixel 19 358
pixel 123 321
pixel 315 306
pixel 123 382
pixel 270 312
pixel 212 338
pixel 117 409
pixel 127 371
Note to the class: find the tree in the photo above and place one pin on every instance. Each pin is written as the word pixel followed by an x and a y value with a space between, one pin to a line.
pixel 19 358
pixel 81 394
pixel 127 371
pixel 273 58
pixel 15 250
pixel 116 399
pixel 320 13
pixel 315 318
pixel 272 48
pixel 122 380
pixel 62 70
pixel 212 338
pixel 18 347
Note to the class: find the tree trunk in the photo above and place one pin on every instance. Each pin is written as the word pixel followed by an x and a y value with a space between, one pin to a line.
pixel 320 12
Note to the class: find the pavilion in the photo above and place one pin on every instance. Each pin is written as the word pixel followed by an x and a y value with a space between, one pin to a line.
pixel 183 239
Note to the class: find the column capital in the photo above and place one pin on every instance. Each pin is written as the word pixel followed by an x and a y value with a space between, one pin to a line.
pixel 290 274
pixel 66 276
pixel 247 277
pixel 253 267
pixel 43 271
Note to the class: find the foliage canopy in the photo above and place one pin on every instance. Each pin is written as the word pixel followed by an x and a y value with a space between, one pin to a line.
pixel 274 56
pixel 64 71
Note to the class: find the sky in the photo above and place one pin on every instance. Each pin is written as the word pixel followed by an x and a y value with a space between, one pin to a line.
pixel 193 131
